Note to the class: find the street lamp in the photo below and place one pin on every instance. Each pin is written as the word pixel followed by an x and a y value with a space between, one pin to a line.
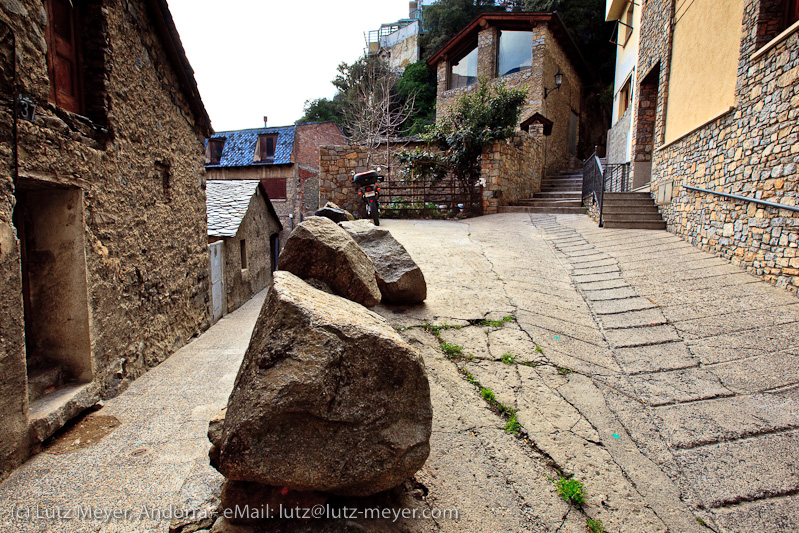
pixel 558 83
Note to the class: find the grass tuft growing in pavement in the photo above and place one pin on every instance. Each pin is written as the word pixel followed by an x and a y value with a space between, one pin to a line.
pixel 488 395
pixel 594 526
pixel 508 358
pixel 562 370
pixel 496 323
pixel 571 490
pixel 513 426
pixel 452 351
pixel 436 330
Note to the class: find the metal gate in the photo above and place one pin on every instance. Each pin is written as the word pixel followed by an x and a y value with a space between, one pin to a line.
pixel 217 281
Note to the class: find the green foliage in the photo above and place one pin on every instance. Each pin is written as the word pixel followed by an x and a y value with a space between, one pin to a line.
pixel 594 526
pixel 488 395
pixel 477 118
pixel 539 349
pixel 497 323
pixel 452 351
pixel 513 427
pixel 531 364
pixel 564 371
pixel 571 491
pixel 508 358
pixel 322 109
pixel 419 82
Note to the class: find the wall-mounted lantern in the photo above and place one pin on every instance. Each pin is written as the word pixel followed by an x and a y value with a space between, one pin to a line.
pixel 558 83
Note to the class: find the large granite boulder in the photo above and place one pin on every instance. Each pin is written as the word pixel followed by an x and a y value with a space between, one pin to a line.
pixel 329 398
pixel 400 279
pixel 318 248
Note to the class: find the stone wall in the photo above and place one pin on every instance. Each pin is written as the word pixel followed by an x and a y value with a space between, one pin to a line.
pixel 751 151
pixel 307 140
pixel 548 57
pixel 256 229
pixel 512 170
pixel 619 140
pixel 133 171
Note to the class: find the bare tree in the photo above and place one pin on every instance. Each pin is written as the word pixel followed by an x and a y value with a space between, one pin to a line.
pixel 376 112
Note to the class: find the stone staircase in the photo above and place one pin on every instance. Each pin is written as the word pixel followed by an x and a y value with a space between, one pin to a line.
pixel 631 210
pixel 560 194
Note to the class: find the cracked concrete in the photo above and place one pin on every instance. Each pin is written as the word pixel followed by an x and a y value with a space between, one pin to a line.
pixel 661 376
pixel 664 379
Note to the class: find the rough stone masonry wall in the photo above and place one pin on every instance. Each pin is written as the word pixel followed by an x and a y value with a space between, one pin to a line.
pixel 256 228
pixel 752 151
pixel 513 170
pixel 548 57
pixel 307 140
pixel 618 139
pixel 143 196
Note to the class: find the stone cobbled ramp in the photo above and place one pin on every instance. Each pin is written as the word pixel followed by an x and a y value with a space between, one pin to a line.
pixel 708 357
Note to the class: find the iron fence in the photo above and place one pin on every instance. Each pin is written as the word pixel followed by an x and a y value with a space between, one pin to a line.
pixel 599 178
pixel 419 199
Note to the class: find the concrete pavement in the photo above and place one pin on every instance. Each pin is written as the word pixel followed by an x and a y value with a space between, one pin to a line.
pixel 662 378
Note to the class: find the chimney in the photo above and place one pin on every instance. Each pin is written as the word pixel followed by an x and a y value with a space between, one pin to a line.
pixel 265 121
pixel 413 10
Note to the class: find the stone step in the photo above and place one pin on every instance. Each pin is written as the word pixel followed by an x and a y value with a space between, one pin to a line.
pixel 627 195
pixel 559 194
pixel 544 203
pixel 631 217
pixel 625 209
pixel 636 225
pixel 546 209
pixel 631 202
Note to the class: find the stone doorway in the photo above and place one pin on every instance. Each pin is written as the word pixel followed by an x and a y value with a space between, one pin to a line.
pixel 646 121
pixel 49 223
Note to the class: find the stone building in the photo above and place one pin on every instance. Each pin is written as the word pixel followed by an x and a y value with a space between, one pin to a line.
pixel 285 160
pixel 103 249
pixel 243 222
pixel 522 50
pixel 627 15
pixel 717 113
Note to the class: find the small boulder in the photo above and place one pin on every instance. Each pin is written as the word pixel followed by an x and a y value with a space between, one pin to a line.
pixel 329 398
pixel 318 248
pixel 400 279
pixel 334 213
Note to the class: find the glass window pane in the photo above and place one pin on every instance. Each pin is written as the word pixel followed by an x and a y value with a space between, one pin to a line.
pixel 464 71
pixel 515 51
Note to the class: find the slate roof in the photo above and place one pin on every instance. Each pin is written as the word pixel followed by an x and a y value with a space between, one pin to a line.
pixel 226 203
pixel 239 147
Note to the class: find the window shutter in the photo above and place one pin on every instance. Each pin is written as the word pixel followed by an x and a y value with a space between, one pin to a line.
pixel 63 56
pixel 275 188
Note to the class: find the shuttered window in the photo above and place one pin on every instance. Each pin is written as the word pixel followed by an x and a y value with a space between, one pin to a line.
pixel 63 56
pixel 791 12
pixel 275 188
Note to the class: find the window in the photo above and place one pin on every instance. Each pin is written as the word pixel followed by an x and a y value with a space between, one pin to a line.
pixel 213 152
pixel 625 97
pixel 628 24
pixel 63 56
pixel 243 245
pixel 265 151
pixel 791 12
pixel 463 72
pixel 515 52
pixel 275 188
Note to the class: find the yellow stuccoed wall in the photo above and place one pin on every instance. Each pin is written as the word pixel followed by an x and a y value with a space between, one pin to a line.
pixel 705 50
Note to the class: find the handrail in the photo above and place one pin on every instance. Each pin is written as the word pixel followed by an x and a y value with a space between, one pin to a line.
pixel 744 198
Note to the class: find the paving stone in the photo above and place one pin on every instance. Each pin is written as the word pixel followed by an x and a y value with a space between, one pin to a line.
pixel 607 276
pixel 774 515
pixel 624 338
pixel 759 373
pixel 584 270
pixel 594 262
pixel 669 356
pixel 698 328
pixel 646 317
pixel 705 422
pixel 746 469
pixel 585 331
pixel 616 283
pixel 684 385
pixel 621 306
pixel 738 345
pixel 610 294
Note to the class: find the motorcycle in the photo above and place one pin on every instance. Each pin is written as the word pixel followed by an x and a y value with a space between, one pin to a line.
pixel 369 192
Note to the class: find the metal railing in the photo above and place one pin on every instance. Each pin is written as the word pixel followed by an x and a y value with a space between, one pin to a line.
pixel 744 198
pixel 426 198
pixel 599 178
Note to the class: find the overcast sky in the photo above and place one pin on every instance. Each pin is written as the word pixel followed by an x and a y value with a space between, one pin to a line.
pixel 256 58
